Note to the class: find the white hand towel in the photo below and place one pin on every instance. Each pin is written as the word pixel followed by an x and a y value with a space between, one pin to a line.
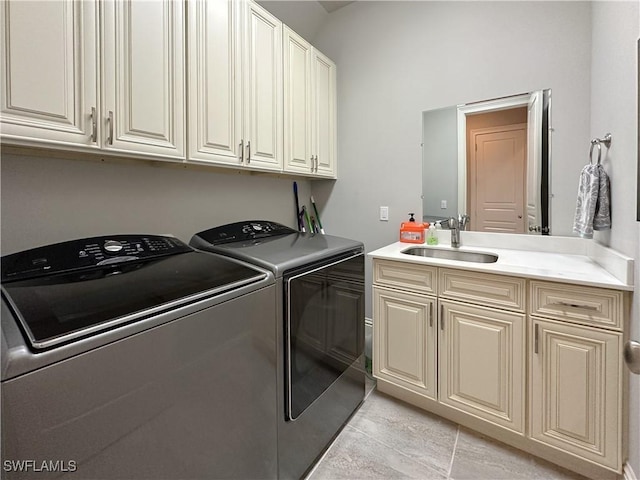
pixel 593 208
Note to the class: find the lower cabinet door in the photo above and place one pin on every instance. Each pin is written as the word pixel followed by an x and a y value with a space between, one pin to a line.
pixel 575 380
pixel 482 363
pixel 404 340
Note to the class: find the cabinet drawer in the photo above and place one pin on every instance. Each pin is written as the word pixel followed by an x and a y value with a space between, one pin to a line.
pixel 484 288
pixel 586 305
pixel 408 276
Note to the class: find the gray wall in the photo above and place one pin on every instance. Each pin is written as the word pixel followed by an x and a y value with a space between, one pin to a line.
pixel 616 28
pixel 397 59
pixel 303 17
pixel 47 200
pixel 440 162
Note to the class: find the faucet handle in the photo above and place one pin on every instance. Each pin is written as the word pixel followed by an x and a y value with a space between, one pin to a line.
pixel 453 223
pixel 463 220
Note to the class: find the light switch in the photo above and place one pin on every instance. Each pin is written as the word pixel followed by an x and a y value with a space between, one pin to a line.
pixel 443 204
pixel 384 214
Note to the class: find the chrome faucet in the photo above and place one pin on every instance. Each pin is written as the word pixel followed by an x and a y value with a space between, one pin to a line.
pixel 455 225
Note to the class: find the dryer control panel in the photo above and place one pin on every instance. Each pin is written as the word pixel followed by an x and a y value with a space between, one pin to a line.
pixel 243 231
pixel 88 252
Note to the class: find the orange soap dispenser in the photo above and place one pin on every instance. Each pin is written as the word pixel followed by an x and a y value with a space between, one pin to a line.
pixel 412 231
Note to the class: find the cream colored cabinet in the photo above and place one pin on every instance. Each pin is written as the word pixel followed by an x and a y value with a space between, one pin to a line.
pixel 482 362
pixel 235 84
pixel 576 370
pixel 405 340
pixel 309 108
pixel 215 86
pixel 111 76
pixel 54 95
pixel 482 345
pixel 298 156
pixel 324 126
pixel 143 77
pixel 50 82
pixel 262 100
pixel 575 390
pixel 532 363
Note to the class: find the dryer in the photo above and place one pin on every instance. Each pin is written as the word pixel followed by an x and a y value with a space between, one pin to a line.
pixel 320 309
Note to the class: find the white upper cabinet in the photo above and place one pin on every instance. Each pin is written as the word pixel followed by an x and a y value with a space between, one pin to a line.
pixel 114 75
pixel 262 101
pixel 235 84
pixel 324 115
pixel 310 111
pixel 297 103
pixel 215 97
pixel 49 93
pixel 143 77
pixel 55 96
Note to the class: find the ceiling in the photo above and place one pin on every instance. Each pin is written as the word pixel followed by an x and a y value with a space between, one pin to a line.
pixel 333 5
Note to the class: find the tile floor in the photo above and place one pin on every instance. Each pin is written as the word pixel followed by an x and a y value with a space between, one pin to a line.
pixel 389 439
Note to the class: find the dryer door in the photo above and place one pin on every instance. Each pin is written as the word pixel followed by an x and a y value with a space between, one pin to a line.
pixel 324 328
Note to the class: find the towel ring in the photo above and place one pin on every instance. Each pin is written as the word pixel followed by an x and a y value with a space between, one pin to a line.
pixel 593 144
pixel 599 141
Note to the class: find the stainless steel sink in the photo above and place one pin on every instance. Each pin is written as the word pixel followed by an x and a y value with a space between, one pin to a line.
pixel 463 256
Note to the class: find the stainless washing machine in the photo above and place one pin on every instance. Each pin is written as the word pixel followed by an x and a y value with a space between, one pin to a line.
pixel 137 357
pixel 320 307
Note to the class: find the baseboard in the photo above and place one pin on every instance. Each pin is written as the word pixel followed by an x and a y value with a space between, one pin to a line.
pixel 628 473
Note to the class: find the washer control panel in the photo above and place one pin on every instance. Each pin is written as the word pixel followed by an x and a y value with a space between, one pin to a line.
pixel 244 231
pixel 88 252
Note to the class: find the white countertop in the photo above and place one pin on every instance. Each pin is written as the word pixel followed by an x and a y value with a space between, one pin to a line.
pixel 591 265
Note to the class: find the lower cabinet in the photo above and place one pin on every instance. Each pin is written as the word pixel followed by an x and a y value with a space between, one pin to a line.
pixel 535 364
pixel 404 340
pixel 482 363
pixel 576 390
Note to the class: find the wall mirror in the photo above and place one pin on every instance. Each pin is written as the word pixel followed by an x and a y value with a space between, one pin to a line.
pixel 491 160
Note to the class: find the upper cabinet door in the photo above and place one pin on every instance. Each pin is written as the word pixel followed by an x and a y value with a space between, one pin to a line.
pixel 309 109
pixel 262 89
pixel 297 104
pixel 324 114
pixel 49 72
pixel 143 77
pixel 214 67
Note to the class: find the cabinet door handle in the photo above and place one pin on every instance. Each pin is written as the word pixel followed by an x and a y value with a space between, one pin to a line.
pixel 535 339
pixel 110 122
pixel 94 126
pixel 431 314
pixel 241 151
pixel 316 163
pixel 441 317
pixel 575 305
pixel 312 164
pixel 248 151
